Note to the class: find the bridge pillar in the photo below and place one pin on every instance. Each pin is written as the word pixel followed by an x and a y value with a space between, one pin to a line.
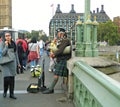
pixel 94 38
pixel 79 42
pixel 86 35
pixel 86 43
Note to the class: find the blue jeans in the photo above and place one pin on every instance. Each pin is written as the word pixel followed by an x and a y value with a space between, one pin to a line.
pixel 33 63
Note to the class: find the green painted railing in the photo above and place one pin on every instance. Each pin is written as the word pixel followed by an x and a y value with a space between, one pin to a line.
pixel 93 88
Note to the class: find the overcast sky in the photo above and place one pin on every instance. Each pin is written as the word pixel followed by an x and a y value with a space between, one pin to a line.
pixel 36 14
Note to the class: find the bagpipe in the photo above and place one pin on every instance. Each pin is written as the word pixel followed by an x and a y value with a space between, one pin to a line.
pixel 67 50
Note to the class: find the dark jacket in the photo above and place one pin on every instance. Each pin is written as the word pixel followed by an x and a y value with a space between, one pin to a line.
pixel 62 44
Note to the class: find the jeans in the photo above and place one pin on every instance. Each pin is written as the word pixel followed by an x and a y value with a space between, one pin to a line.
pixel 33 63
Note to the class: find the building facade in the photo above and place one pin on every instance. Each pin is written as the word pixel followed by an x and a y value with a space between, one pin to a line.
pixel 116 20
pixel 68 20
pixel 5 13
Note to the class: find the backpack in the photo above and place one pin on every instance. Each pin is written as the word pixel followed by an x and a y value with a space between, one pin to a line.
pixel 20 50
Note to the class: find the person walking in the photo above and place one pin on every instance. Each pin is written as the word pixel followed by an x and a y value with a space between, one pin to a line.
pixel 34 53
pixel 22 52
pixel 61 59
pixel 9 69
pixel 0 49
pixel 41 45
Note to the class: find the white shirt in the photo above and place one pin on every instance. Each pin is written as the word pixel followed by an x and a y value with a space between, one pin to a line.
pixel 41 44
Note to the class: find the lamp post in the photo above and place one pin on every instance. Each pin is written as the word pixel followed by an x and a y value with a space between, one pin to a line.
pixel 94 38
pixel 87 30
pixel 86 35
pixel 79 42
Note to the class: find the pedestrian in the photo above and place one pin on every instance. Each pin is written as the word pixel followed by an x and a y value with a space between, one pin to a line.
pixel 61 59
pixel 0 38
pixel 41 45
pixel 9 69
pixel 20 52
pixel 34 53
pixel 0 49
pixel 22 48
pixel 52 60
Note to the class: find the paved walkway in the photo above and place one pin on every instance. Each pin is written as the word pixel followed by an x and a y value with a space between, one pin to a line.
pixel 25 99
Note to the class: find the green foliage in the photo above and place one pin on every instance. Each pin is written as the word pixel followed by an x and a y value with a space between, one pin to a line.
pixel 28 34
pixel 37 34
pixel 108 32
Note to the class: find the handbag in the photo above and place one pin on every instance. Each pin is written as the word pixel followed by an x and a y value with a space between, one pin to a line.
pixel 7 58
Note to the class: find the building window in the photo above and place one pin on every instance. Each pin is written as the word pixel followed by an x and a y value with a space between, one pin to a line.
pixel 60 22
pixel 56 22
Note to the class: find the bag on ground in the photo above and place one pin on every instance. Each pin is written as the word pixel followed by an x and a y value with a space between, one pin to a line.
pixel 33 88
pixel 36 71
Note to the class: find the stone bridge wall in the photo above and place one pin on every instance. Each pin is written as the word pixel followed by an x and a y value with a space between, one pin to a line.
pixel 111 49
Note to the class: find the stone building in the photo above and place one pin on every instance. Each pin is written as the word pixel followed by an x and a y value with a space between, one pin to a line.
pixel 116 20
pixel 5 13
pixel 68 20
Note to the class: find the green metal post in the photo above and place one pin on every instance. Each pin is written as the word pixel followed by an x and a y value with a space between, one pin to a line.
pixel 87 30
pixel 79 43
pixel 94 38
pixel 87 10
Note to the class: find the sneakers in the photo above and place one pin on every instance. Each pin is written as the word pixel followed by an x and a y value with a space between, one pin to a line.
pixel 24 67
pixel 48 91
pixel 50 70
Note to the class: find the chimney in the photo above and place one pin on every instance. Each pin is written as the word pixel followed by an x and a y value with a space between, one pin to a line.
pixel 72 9
pixel 97 10
pixel 58 9
pixel 93 11
pixel 102 7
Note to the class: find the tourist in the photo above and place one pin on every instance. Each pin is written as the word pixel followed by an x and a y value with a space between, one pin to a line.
pixel 9 69
pixel 34 53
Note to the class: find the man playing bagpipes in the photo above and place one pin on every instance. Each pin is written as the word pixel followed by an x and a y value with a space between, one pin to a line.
pixel 61 58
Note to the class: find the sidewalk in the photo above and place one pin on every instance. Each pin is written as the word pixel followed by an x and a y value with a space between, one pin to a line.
pixel 25 99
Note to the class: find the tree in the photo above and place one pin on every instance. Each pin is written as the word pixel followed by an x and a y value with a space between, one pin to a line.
pixel 108 32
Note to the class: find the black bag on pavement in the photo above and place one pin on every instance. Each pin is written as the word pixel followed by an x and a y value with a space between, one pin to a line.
pixel 33 88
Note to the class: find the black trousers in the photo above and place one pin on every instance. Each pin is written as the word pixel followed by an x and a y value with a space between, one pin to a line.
pixel 9 84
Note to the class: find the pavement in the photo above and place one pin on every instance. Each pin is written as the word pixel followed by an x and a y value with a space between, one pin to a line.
pixel 25 99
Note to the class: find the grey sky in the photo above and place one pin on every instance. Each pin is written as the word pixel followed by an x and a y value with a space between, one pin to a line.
pixel 36 14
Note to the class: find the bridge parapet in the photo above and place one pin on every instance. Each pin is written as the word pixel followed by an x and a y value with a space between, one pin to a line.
pixel 92 88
